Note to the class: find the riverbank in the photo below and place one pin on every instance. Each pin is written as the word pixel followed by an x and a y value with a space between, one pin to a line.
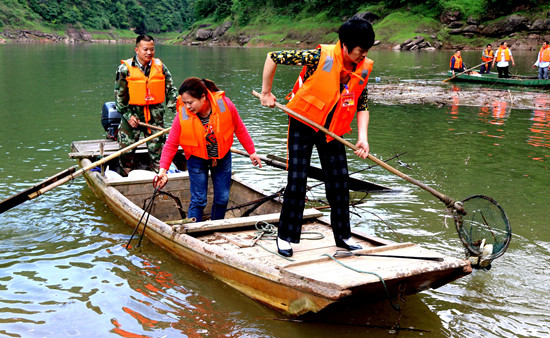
pixel 399 31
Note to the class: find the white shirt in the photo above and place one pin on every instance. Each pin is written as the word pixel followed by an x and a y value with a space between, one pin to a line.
pixel 541 64
pixel 503 62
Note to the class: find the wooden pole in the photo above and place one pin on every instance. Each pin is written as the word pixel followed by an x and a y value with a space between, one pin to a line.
pixel 467 70
pixel 449 202
pixel 17 199
pixel 96 163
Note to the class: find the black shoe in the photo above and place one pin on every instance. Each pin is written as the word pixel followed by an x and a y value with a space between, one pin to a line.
pixel 285 252
pixel 341 244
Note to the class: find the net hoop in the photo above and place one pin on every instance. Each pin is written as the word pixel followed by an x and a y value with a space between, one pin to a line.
pixel 472 231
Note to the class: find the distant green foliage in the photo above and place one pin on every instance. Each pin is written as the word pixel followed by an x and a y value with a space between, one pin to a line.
pixel 474 8
pixel 159 16
pixel 510 6
pixel 153 16
pixel 402 25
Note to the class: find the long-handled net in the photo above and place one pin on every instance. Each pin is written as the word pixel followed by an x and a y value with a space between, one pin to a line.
pixel 484 229
pixel 481 223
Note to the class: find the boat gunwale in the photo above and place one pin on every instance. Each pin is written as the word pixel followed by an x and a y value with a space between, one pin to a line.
pixel 213 252
pixel 492 79
pixel 207 257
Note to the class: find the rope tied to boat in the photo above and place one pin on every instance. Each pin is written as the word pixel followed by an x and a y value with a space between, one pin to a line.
pixel 394 306
pixel 268 231
pixel 146 211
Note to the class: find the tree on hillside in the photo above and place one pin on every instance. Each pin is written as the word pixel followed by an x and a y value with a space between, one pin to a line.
pixel 144 15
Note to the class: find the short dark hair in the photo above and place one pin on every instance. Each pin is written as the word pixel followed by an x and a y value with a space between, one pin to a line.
pixel 144 37
pixel 356 32
pixel 489 45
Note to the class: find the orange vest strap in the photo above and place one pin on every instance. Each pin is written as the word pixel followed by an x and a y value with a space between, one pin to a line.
pixel 544 54
pixel 487 55
pixel 506 54
pixel 192 137
pixel 457 63
pixel 316 97
pixel 145 90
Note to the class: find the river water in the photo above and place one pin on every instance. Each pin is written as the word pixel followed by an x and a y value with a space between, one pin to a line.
pixel 64 270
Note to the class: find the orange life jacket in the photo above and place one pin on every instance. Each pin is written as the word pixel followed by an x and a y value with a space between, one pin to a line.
pixel 544 54
pixel 316 97
pixel 458 62
pixel 489 56
pixel 145 90
pixel 193 137
pixel 506 54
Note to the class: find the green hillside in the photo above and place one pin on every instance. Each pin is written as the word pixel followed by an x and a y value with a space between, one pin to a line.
pixel 266 21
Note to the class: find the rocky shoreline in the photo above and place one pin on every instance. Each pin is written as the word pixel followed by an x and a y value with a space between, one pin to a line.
pixel 519 31
pixel 71 36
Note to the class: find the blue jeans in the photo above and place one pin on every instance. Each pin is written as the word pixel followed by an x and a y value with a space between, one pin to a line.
pixel 198 180
pixel 543 73
pixel 485 68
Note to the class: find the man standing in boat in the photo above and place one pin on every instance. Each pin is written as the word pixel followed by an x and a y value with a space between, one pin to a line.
pixel 456 64
pixel 487 59
pixel 543 61
pixel 503 56
pixel 143 84
pixel 329 90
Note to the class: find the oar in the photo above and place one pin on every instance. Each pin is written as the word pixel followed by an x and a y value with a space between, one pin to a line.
pixel 64 177
pixel 449 202
pixel 150 126
pixel 23 196
pixel 467 70
pixel 316 173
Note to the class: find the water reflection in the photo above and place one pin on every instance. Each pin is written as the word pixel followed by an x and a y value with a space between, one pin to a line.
pixel 540 127
pixel 496 114
pixel 64 271
pixel 456 101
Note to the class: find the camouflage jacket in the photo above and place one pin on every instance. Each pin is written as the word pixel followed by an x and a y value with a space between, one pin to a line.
pixel 122 97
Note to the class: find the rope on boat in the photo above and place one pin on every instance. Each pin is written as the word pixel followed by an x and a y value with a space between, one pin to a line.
pixel 394 306
pixel 269 231
pixel 146 211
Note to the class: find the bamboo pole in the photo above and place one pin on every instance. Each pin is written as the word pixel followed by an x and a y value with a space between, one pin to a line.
pixel 96 163
pixel 449 202
pixel 467 70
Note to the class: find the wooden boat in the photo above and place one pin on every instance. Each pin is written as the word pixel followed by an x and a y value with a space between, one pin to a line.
pixel 237 253
pixel 493 79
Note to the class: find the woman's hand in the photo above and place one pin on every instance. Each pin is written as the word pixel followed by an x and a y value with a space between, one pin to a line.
pixel 255 160
pixel 362 149
pixel 268 99
pixel 161 179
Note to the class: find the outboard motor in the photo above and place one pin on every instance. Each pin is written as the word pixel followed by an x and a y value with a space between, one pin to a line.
pixel 110 119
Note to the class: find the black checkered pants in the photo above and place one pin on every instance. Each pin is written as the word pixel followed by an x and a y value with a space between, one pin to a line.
pixel 301 139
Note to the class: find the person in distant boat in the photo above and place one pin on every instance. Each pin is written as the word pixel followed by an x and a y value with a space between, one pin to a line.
pixel 456 64
pixel 543 60
pixel 487 57
pixel 204 126
pixel 503 56
pixel 143 84
pixel 330 89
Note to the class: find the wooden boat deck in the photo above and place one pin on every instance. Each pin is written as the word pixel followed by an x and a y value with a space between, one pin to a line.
pixel 226 249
